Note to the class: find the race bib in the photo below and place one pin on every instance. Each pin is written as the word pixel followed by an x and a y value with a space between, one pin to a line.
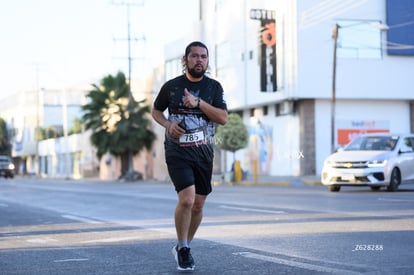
pixel 193 138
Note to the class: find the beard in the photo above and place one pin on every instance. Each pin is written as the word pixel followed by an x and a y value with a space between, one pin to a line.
pixel 196 74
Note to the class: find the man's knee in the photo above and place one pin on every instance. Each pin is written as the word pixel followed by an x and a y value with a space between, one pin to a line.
pixel 198 204
pixel 197 209
pixel 186 197
pixel 186 201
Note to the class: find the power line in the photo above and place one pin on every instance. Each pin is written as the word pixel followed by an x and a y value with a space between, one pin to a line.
pixel 129 4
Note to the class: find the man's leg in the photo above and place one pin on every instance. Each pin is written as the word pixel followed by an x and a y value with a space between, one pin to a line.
pixel 186 198
pixel 196 215
pixel 181 251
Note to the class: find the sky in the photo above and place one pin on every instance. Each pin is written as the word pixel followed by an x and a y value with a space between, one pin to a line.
pixel 62 44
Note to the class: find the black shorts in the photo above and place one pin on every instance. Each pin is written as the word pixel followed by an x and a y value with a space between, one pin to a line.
pixel 185 173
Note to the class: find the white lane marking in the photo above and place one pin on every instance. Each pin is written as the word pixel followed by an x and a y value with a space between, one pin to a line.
pixel 41 240
pixel 71 260
pixel 295 263
pixel 81 219
pixel 396 200
pixel 112 240
pixel 244 209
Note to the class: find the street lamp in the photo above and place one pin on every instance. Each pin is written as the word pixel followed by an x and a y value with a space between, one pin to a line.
pixel 376 25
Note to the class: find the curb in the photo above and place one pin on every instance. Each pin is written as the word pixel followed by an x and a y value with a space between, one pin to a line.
pixel 251 183
pixel 285 183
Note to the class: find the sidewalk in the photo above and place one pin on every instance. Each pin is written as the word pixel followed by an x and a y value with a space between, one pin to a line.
pixel 217 179
pixel 311 180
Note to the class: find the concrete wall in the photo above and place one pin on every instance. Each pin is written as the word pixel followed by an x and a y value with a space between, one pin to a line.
pixel 389 77
pixel 306 109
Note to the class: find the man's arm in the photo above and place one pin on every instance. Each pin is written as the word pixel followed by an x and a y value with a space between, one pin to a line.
pixel 159 117
pixel 215 114
pixel 172 127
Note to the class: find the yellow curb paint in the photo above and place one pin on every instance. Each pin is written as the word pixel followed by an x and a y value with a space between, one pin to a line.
pixel 311 182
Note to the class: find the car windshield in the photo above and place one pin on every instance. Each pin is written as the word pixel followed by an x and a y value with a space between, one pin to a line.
pixel 375 143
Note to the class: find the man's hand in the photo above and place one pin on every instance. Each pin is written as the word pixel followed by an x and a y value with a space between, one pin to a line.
pixel 190 101
pixel 174 129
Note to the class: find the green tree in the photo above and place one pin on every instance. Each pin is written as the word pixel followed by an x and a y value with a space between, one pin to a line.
pixel 5 146
pixel 119 125
pixel 232 136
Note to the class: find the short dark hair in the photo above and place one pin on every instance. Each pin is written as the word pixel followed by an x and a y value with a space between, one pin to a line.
pixel 195 44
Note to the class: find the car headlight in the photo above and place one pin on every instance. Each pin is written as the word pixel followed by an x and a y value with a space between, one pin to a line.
pixel 11 166
pixel 377 163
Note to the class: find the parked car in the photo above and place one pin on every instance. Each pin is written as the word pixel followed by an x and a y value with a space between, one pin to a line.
pixel 6 167
pixel 374 160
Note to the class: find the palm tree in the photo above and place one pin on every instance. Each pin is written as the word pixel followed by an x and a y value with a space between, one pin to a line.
pixel 119 124
pixel 5 146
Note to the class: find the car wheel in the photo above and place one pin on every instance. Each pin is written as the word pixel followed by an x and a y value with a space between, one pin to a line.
pixel 375 188
pixel 395 180
pixel 334 188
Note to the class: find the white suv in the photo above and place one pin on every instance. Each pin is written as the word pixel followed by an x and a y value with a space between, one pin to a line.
pixel 373 160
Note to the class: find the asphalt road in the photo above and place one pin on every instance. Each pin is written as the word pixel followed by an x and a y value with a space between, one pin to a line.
pixel 73 227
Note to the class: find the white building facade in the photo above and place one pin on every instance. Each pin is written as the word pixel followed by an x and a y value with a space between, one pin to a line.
pixel 61 155
pixel 275 60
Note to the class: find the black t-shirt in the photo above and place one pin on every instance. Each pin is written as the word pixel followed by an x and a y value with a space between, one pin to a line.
pixel 197 143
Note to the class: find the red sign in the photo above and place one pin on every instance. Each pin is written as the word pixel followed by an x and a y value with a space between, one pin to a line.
pixel 346 135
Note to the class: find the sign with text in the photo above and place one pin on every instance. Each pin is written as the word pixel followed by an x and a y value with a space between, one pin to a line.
pixel 349 129
pixel 267 43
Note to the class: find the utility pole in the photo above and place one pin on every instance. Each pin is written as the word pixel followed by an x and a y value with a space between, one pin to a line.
pixel 65 133
pixel 37 131
pixel 335 34
pixel 333 96
pixel 130 175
